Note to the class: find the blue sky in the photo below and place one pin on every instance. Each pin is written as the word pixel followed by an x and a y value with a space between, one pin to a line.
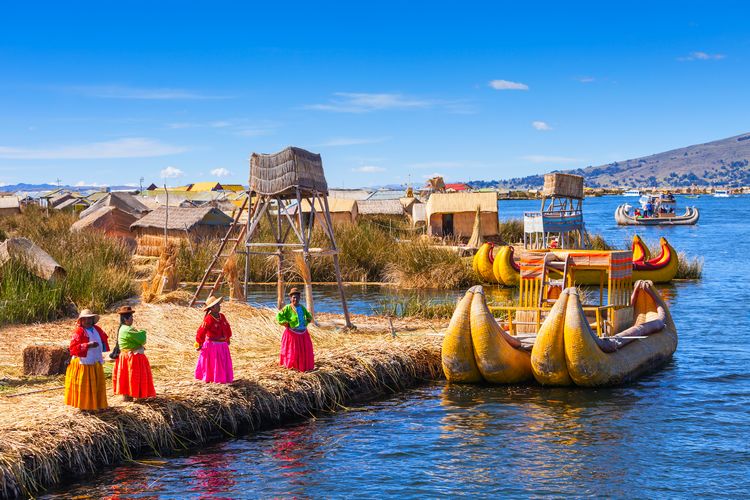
pixel 387 92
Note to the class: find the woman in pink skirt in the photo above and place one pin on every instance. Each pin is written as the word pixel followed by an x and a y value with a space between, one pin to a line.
pixel 212 340
pixel 296 346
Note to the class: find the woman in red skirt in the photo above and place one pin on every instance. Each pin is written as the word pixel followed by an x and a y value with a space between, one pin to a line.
pixel 296 345
pixel 132 377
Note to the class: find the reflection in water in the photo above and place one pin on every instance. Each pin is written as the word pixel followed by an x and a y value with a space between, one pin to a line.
pixel 212 474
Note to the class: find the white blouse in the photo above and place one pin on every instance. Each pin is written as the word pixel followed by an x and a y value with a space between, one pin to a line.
pixel 94 354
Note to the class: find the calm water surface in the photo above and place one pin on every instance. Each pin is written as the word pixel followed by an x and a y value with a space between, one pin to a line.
pixel 682 431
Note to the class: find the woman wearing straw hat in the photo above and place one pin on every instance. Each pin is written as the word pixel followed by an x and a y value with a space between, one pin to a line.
pixel 296 345
pixel 132 377
pixel 84 380
pixel 212 340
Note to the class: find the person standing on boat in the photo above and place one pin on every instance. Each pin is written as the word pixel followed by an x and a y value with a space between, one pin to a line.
pixel 85 385
pixel 296 345
pixel 212 340
pixel 132 377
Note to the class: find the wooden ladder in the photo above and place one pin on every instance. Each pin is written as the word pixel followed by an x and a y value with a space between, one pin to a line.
pixel 215 270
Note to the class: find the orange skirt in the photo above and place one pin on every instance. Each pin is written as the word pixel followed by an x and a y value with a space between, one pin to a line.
pixel 85 386
pixel 132 376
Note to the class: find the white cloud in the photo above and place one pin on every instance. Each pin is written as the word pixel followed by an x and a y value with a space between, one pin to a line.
pixel 219 124
pixel 132 147
pixel 352 141
pixel 354 102
pixel 586 79
pixel 550 159
pixel 171 173
pixel 123 92
pixel 701 56
pixel 368 169
pixel 221 172
pixel 434 174
pixel 540 125
pixel 508 85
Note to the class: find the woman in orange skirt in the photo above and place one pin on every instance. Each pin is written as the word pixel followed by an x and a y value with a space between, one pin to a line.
pixel 85 386
pixel 132 377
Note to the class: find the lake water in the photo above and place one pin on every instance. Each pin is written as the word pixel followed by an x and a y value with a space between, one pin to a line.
pixel 684 431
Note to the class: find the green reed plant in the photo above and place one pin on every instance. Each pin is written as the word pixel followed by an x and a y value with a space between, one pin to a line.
pixel 413 306
pixel 98 269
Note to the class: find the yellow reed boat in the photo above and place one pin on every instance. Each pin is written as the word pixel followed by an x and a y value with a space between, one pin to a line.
pixel 553 334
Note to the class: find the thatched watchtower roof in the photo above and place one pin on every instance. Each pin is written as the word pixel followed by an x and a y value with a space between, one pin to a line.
pixel 279 174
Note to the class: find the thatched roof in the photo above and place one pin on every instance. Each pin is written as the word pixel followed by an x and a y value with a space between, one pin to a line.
pixel 335 205
pixel 71 202
pixel 205 186
pixel 450 203
pixel 281 173
pixel 107 218
pixel 380 207
pixel 182 219
pixel 351 194
pixel 123 201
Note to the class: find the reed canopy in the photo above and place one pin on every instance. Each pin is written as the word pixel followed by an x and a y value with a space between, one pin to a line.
pixel 281 174
pixel 563 185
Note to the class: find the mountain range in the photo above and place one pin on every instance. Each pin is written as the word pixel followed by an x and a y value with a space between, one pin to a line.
pixel 724 163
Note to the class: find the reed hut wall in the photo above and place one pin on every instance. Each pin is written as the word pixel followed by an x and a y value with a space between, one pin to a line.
pixel 461 208
pixel 109 219
pixel 343 211
pixel 195 224
pixel 9 205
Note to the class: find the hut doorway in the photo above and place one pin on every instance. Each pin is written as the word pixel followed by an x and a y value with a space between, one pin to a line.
pixel 447 224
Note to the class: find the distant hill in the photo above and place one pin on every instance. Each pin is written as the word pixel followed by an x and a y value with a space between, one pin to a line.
pixel 724 163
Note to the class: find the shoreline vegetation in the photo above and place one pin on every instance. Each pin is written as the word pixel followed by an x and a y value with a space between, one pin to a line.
pixel 103 272
pixel 46 443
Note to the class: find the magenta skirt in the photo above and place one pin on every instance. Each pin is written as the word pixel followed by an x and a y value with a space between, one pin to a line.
pixel 297 351
pixel 214 363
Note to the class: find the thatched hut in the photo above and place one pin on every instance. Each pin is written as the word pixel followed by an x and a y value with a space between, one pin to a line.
pixel 9 205
pixel 453 214
pixel 343 210
pixel 124 202
pixel 110 220
pixel 181 224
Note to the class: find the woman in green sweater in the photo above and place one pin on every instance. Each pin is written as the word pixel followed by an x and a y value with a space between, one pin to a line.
pixel 132 374
pixel 296 345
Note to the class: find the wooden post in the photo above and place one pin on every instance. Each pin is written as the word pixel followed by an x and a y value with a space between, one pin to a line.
pixel 336 267
pixel 306 277
pixel 280 262
pixel 247 240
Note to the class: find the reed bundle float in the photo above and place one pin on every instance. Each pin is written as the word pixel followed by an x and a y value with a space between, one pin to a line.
pixel 555 335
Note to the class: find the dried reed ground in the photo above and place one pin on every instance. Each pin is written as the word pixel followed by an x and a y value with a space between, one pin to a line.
pixel 46 443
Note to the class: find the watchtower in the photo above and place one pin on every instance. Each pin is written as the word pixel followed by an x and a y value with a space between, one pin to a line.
pixel 560 217
pixel 280 184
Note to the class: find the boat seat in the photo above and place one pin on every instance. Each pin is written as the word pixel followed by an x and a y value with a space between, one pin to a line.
pixel 527 340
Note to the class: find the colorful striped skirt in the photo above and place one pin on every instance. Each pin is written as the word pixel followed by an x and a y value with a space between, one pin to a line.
pixel 85 386
pixel 132 375
pixel 297 351
pixel 214 363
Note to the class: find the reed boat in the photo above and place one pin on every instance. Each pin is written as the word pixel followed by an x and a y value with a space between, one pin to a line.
pixel 660 269
pixel 475 347
pixel 506 271
pixel 623 217
pixel 553 335
pixel 572 354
